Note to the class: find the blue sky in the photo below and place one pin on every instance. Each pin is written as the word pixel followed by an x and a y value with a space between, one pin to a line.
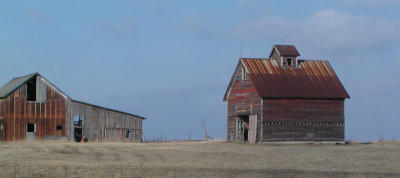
pixel 171 61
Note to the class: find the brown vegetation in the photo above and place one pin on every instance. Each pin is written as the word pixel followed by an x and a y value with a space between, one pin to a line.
pixel 199 159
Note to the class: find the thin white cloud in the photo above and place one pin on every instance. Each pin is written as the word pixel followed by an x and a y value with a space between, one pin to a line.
pixel 330 29
pixel 124 26
pixel 371 2
pixel 326 30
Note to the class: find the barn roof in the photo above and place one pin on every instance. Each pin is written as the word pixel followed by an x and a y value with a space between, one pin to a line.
pixel 286 50
pixel 312 79
pixel 14 84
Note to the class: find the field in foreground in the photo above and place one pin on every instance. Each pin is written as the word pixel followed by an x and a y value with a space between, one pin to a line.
pixel 197 159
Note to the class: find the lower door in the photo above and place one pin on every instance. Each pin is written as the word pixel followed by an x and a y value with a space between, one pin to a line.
pixel 30 131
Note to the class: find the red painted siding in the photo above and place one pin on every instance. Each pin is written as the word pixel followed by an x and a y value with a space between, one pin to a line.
pixel 17 112
pixel 243 99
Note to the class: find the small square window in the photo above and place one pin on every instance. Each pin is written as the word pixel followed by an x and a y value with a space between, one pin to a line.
pixel 59 127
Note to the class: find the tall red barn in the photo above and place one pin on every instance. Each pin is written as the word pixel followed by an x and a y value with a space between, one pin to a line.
pixel 283 98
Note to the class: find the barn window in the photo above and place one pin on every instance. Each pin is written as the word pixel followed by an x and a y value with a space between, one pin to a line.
pixel 59 127
pixel 78 120
pixel 31 90
pixel 30 127
pixel 289 61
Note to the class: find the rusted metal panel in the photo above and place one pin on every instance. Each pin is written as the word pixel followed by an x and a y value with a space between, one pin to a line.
pixel 312 79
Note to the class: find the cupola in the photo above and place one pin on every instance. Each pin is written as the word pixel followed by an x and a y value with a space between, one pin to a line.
pixel 285 54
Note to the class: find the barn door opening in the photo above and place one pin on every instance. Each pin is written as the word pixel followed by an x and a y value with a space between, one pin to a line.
pixel 242 128
pixel 78 122
pixel 30 131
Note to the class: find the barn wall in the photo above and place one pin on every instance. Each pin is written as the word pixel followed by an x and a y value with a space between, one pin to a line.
pixel 101 124
pixel 243 99
pixel 17 112
pixel 303 119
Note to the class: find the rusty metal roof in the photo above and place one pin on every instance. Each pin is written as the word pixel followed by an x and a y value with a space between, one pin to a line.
pixel 311 79
pixel 286 50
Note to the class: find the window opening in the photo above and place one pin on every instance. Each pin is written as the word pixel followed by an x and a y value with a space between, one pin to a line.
pixel 59 127
pixel 30 127
pixel 78 120
pixel 31 90
pixel 289 61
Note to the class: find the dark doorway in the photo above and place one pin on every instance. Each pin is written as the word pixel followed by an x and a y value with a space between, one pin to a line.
pixel 242 128
pixel 30 131
pixel 78 134
pixel 78 125
pixel 245 120
pixel 246 135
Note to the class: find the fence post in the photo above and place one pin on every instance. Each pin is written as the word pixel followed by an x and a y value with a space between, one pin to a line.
pixel 15 171
pixel 66 171
pixel 121 171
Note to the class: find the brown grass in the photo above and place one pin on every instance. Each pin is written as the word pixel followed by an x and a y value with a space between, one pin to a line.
pixel 198 159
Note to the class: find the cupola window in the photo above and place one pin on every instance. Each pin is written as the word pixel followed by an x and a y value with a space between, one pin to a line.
pixel 289 61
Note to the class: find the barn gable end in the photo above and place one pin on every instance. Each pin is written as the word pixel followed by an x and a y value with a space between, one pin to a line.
pixel 45 114
pixel 243 104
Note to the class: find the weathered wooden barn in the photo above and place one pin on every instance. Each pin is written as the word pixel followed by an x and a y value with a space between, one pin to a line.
pixel 283 98
pixel 32 108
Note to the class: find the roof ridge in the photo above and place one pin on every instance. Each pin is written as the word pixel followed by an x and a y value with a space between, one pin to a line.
pixel 253 58
pixel 314 60
pixel 35 73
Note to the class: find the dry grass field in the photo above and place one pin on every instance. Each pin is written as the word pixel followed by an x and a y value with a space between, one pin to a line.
pixel 197 159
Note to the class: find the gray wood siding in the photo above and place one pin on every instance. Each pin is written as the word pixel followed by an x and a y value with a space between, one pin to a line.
pixel 100 124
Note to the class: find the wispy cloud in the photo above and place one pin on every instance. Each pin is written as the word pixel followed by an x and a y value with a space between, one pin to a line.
pixel 327 30
pixel 38 16
pixel 331 29
pixel 371 2
pixel 124 26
